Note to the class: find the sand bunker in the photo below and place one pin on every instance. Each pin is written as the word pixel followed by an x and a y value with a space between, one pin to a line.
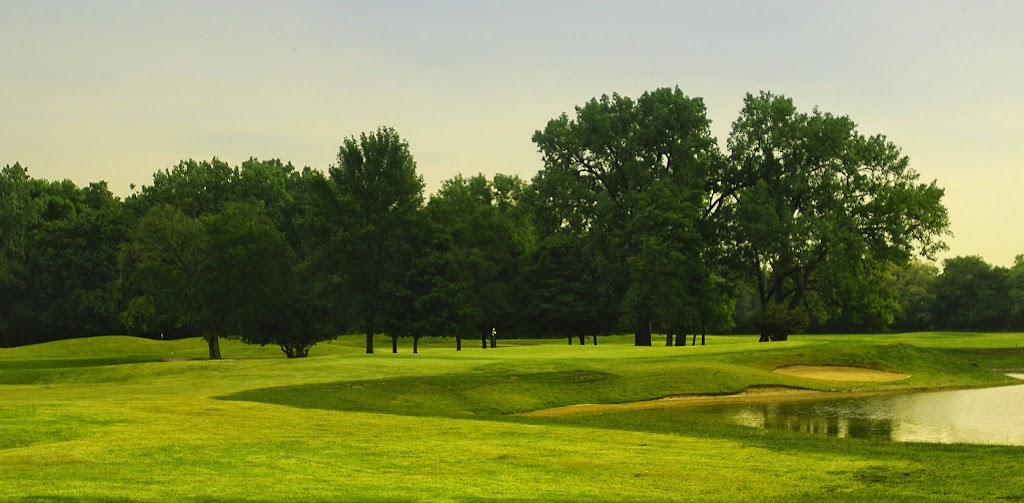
pixel 836 373
pixel 748 395
pixel 754 394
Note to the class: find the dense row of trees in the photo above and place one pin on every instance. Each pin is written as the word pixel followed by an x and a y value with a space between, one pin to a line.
pixel 637 222
pixel 969 294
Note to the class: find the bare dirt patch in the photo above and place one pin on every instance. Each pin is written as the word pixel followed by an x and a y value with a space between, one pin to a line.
pixel 837 373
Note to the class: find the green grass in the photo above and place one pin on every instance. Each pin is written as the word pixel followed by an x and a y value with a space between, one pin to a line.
pixel 126 419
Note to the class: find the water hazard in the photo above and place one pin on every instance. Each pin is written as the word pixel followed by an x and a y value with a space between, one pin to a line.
pixel 978 416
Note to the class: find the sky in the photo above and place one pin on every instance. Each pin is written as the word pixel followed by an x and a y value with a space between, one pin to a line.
pixel 117 90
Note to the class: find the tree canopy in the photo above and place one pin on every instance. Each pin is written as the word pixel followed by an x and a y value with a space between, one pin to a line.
pixel 374 196
pixel 627 173
pixel 638 221
pixel 816 210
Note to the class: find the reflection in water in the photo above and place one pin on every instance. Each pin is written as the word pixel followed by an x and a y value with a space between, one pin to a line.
pixel 985 416
pixel 809 420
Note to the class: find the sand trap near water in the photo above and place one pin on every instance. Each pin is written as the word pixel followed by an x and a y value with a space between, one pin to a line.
pixel 754 394
pixel 837 373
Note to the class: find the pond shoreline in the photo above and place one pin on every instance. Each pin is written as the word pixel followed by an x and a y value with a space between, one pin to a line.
pixel 752 394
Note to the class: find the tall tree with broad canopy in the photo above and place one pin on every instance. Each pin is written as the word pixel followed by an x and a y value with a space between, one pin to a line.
pixel 19 213
pixel 971 294
pixel 251 283
pixel 563 290
pixel 599 171
pixel 816 210
pixel 160 267
pixel 487 239
pixel 226 274
pixel 1015 283
pixel 73 264
pixel 915 290
pixel 373 197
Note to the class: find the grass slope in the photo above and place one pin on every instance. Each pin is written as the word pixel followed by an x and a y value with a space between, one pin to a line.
pixel 111 419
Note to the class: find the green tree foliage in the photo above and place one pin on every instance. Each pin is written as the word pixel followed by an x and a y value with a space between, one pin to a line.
pixel 160 264
pixel 18 214
pixel 815 207
pixel 604 169
pixel 563 291
pixel 1015 283
pixel 200 188
pixel 229 251
pixel 915 287
pixel 73 266
pixel 252 285
pixel 486 240
pixel 665 265
pixel 373 198
pixel 197 188
pixel 970 294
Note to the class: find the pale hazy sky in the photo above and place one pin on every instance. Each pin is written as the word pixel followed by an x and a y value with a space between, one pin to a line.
pixel 116 90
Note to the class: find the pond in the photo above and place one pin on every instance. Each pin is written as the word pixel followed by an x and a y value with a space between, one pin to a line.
pixel 978 416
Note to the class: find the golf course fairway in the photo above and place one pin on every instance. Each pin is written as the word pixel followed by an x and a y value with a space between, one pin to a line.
pixel 127 419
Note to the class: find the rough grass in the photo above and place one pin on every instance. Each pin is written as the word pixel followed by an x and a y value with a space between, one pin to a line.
pixel 109 419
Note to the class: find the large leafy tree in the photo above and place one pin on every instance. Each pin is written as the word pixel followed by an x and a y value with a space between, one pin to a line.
pixel 603 171
pixel 229 273
pixel 18 214
pixel 816 210
pixel 160 265
pixel 915 289
pixel 1015 285
pixel 227 251
pixel 196 188
pixel 309 315
pixel 74 261
pixel 563 292
pixel 250 283
pixel 970 294
pixel 373 196
pixel 486 239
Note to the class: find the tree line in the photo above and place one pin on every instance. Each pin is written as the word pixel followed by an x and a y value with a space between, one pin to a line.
pixel 637 222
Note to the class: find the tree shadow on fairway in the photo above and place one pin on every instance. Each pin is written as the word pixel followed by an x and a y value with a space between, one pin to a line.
pixel 457 395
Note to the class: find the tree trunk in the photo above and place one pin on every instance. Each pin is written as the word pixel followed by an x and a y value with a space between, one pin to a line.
pixel 681 340
pixel 668 339
pixel 595 339
pixel 369 341
pixel 583 340
pixel 295 351
pixel 642 337
pixel 458 343
pixel 702 338
pixel 764 337
pixel 415 344
pixel 694 343
pixel 394 344
pixel 570 340
pixel 214 344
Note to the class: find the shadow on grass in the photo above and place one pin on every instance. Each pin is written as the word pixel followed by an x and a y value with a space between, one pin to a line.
pixel 455 396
